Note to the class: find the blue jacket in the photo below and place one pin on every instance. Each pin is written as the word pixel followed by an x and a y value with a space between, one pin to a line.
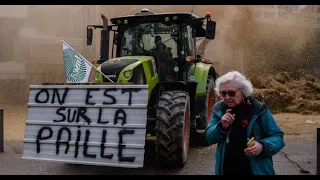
pixel 263 127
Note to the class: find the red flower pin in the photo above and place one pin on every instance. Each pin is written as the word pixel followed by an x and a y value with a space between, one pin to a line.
pixel 244 123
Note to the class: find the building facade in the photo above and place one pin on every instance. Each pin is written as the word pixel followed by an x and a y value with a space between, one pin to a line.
pixel 31 51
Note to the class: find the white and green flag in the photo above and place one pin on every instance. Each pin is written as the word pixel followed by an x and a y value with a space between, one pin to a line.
pixel 77 68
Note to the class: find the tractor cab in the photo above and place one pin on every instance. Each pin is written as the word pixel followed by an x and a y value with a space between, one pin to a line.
pixel 168 37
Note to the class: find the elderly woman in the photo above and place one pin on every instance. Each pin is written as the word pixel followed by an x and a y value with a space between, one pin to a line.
pixel 235 120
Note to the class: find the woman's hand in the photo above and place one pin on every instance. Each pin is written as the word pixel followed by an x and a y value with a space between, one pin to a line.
pixel 227 119
pixel 255 150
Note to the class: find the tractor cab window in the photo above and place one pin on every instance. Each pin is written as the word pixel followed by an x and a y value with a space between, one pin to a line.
pixel 138 39
pixel 188 41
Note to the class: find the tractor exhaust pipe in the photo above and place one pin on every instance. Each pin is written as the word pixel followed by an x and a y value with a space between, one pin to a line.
pixel 105 21
pixel 104 42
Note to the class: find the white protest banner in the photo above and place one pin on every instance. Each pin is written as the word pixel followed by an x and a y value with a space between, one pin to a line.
pixel 87 124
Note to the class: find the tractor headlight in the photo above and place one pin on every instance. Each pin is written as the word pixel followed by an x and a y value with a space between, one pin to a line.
pixel 127 74
pixel 176 69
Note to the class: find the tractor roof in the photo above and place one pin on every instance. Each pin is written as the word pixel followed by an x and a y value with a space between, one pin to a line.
pixel 145 16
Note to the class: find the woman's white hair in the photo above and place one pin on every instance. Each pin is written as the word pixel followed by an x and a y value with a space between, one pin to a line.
pixel 241 82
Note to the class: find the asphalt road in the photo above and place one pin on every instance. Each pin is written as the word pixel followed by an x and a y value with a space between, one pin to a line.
pixel 297 158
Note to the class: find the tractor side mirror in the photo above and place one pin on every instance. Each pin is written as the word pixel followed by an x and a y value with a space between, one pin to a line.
pixel 210 30
pixel 89 36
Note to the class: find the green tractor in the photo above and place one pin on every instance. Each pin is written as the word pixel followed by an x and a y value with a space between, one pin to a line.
pixel 160 50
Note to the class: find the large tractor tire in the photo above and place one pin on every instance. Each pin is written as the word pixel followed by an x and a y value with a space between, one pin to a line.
pixel 173 128
pixel 205 114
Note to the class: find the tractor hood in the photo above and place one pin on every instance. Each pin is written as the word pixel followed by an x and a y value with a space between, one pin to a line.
pixel 113 67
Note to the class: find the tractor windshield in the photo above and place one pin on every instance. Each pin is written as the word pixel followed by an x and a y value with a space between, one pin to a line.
pixel 140 38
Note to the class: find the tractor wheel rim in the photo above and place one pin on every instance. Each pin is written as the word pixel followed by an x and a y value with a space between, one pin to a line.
pixel 186 129
pixel 210 103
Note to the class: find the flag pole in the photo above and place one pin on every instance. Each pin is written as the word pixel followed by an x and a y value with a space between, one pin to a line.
pixel 86 60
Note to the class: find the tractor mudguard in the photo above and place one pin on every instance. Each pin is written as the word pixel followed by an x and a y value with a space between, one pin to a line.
pixel 200 73
pixel 189 86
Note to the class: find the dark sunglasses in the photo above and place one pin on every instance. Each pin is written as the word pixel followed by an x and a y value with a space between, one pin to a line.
pixel 230 93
